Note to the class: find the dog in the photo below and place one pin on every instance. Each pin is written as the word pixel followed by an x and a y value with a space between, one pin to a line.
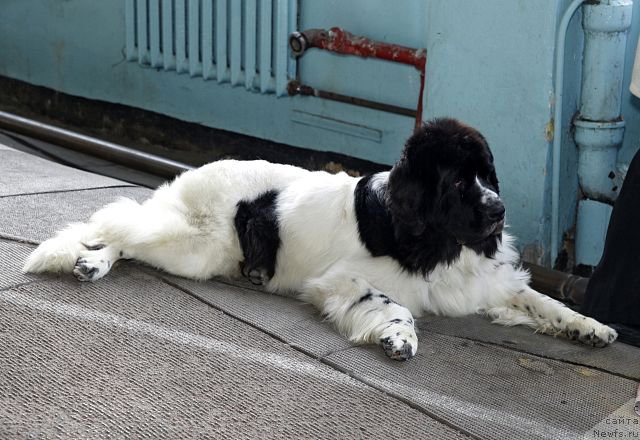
pixel 370 253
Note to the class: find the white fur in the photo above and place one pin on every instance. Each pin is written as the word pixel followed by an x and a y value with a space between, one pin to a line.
pixel 187 229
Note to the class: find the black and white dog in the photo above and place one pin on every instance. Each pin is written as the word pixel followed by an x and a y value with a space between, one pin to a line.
pixel 371 253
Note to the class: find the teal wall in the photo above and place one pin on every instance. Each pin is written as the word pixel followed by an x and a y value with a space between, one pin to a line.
pixel 490 64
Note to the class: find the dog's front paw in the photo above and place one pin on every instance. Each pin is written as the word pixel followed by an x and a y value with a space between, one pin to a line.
pixel 590 332
pixel 399 343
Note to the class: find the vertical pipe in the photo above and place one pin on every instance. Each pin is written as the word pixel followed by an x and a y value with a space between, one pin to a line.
pixel 182 64
pixel 591 231
pixel 154 33
pixel 142 30
pixel 130 26
pixel 557 127
pixel 605 27
pixel 250 25
pixel 195 67
pixel 168 38
pixel 207 39
pixel 599 128
pixel 264 52
pixel 235 43
pixel 222 71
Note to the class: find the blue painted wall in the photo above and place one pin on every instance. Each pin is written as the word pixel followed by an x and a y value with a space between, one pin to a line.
pixel 490 63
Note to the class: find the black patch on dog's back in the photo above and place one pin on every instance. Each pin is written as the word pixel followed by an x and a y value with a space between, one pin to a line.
pixel 256 223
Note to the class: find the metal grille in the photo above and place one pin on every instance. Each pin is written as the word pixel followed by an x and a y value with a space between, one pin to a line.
pixel 241 42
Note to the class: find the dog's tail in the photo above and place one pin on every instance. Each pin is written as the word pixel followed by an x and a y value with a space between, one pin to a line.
pixel 59 254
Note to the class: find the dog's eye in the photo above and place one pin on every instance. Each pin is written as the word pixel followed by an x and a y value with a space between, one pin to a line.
pixel 459 184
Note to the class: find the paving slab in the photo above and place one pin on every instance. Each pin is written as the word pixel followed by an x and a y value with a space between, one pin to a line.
pixel 296 323
pixel 134 357
pixel 491 392
pixel 37 217
pixel 22 173
pixel 618 358
pixel 12 257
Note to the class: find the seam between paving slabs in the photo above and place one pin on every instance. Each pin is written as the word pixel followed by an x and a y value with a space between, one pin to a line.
pixel 26 283
pixel 131 185
pixel 16 239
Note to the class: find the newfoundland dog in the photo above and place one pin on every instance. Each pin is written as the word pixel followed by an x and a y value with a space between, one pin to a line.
pixel 370 253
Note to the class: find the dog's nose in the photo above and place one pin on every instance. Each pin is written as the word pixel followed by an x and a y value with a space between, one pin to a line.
pixel 495 212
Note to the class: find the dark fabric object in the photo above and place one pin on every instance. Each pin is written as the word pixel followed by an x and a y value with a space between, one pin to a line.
pixel 613 292
pixel 627 334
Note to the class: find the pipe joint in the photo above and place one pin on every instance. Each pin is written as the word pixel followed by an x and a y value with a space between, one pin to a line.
pixel 611 17
pixel 598 144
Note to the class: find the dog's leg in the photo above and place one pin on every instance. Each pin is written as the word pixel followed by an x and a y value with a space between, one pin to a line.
pixel 364 314
pixel 161 235
pixel 546 315
pixel 60 253
pixel 89 250
pixel 154 232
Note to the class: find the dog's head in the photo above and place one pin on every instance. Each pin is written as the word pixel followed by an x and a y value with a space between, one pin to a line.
pixel 445 183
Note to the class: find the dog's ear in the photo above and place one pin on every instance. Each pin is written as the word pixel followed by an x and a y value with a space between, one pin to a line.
pixel 407 199
pixel 414 178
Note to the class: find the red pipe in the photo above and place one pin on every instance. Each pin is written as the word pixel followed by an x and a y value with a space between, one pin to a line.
pixel 340 41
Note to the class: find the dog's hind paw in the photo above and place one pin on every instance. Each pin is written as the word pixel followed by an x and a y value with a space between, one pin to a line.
pixel 92 265
pixel 258 276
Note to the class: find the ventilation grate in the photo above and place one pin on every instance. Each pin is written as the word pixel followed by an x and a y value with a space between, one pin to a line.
pixel 241 42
